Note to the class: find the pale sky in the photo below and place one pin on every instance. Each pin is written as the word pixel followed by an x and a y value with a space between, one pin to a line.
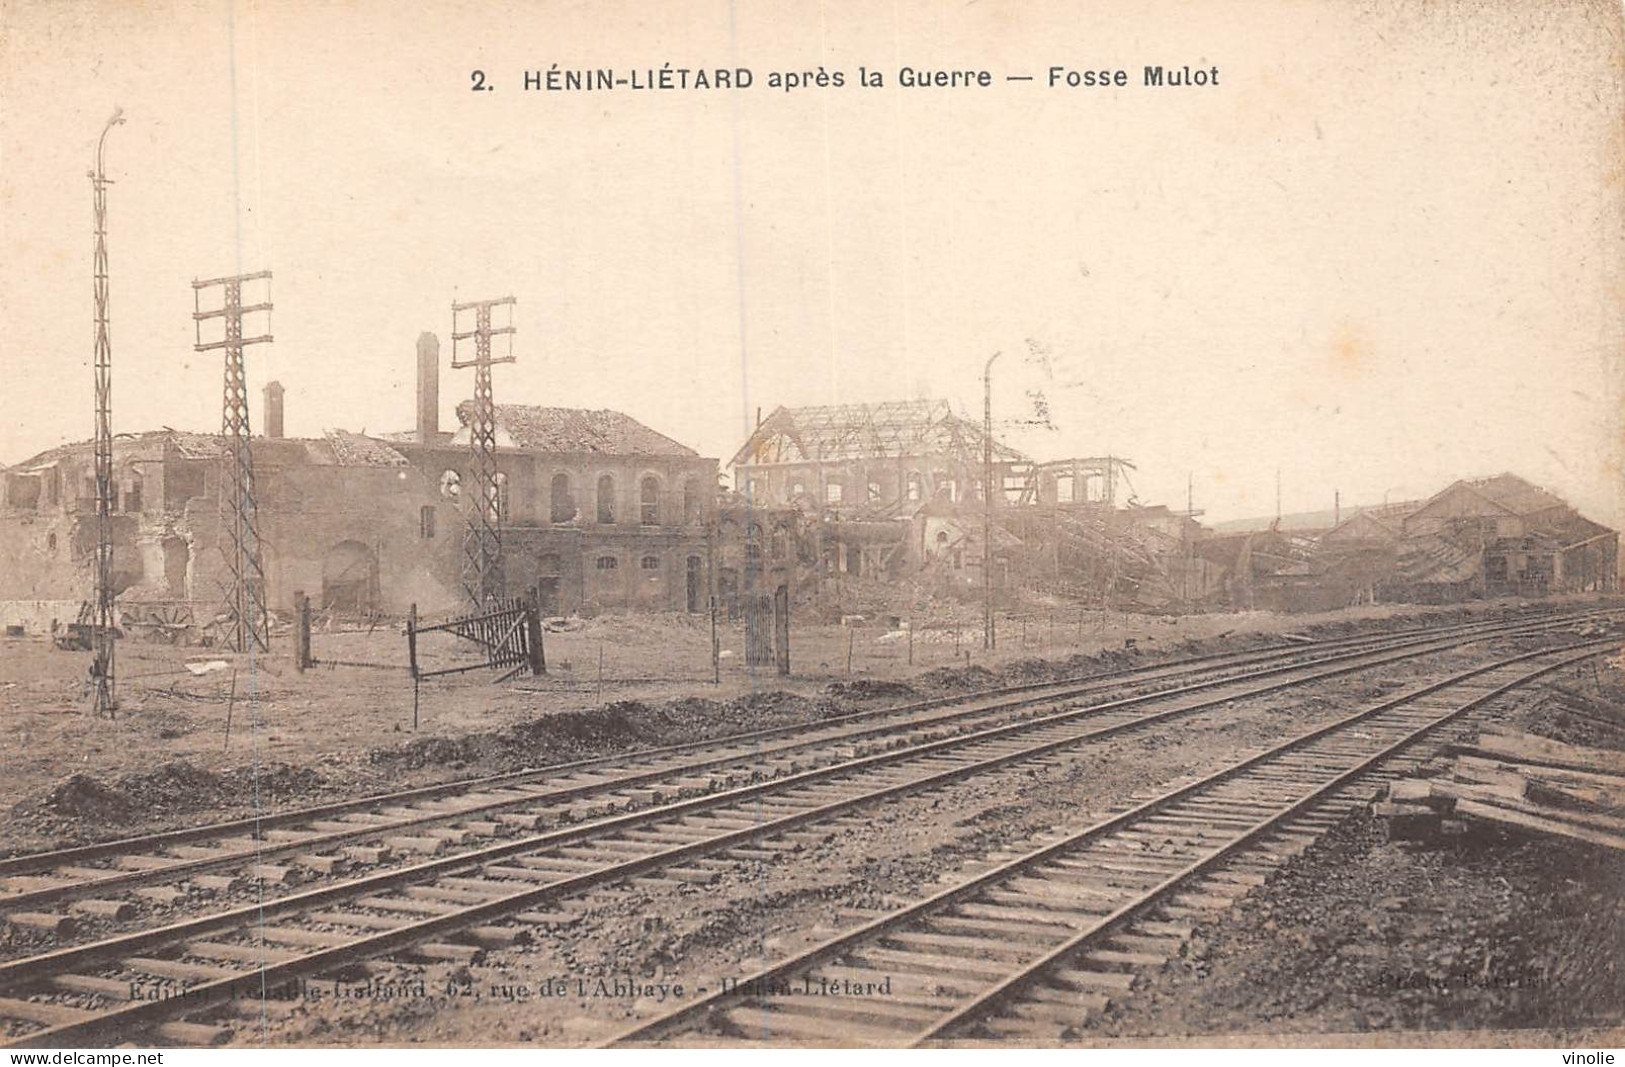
pixel 1384 252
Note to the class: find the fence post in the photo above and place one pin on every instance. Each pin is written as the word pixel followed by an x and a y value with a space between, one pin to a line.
pixel 412 658
pixel 298 630
pixel 533 630
pixel 231 704
pixel 412 640
pixel 849 635
pixel 301 631
pixel 716 647
pixel 911 642
pixel 781 628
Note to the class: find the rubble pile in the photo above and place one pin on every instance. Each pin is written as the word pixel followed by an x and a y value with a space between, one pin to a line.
pixel 1513 783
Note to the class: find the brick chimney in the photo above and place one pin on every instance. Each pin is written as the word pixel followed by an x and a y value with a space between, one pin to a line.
pixel 273 409
pixel 428 387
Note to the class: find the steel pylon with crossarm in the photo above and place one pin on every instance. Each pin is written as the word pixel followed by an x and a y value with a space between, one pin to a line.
pixel 483 504
pixel 247 621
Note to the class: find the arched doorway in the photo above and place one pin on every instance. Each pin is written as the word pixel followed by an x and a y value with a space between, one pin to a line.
pixel 350 579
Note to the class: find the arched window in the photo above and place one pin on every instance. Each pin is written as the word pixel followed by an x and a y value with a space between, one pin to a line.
pixel 942 539
pixel 561 500
pixel 651 563
pixel 832 493
pixel 691 502
pixel 649 501
pixel 607 563
pixel 606 499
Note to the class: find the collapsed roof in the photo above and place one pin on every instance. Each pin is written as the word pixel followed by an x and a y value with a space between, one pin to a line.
pixel 336 448
pixel 890 430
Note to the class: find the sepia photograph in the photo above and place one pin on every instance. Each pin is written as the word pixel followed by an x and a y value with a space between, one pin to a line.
pixel 586 524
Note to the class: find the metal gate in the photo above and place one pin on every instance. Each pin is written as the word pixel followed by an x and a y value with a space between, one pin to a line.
pixel 508 633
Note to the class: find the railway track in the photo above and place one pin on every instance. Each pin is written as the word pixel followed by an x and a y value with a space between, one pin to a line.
pixel 1028 949
pixel 123 880
pixel 455 907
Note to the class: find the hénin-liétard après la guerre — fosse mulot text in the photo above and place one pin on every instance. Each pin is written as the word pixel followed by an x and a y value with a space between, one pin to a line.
pixel 672 78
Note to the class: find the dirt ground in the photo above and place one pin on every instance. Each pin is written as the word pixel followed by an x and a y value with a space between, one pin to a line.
pixel 1502 937
pixel 346 730
pixel 690 935
pixel 1385 944
pixel 1359 936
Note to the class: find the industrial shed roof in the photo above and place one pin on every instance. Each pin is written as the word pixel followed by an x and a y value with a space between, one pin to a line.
pixel 544 429
pixel 1506 491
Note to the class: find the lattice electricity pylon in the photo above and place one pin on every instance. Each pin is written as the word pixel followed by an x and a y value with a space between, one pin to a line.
pixel 106 614
pixel 245 593
pixel 482 543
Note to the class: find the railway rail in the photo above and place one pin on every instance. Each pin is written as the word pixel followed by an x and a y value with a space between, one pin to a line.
pixel 1028 949
pixel 78 993
pixel 122 879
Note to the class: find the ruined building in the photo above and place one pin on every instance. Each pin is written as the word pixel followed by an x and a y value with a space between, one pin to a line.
pixel 896 489
pixel 338 516
pixel 1480 537
pixel 601 513
pixel 1486 537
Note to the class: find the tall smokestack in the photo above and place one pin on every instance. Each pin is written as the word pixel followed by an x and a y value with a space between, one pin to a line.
pixel 273 409
pixel 428 387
